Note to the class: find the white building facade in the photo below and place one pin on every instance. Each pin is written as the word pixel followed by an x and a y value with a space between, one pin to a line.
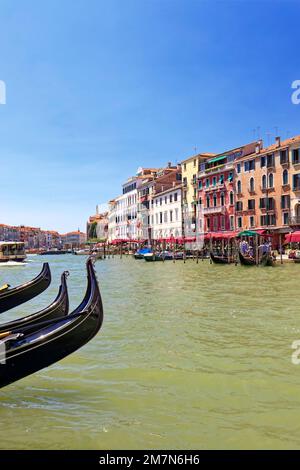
pixel 166 214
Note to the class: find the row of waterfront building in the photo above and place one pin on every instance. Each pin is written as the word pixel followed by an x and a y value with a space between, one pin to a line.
pixel 209 195
pixel 36 238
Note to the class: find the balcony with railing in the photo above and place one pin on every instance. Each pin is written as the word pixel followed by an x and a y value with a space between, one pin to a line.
pixel 264 189
pixel 216 169
pixel 214 210
pixel 294 220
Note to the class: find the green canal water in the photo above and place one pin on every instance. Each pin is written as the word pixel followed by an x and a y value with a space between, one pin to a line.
pixel 189 356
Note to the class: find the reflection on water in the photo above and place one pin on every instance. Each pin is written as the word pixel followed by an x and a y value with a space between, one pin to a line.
pixel 189 356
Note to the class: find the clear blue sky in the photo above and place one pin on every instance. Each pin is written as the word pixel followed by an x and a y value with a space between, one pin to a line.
pixel 98 88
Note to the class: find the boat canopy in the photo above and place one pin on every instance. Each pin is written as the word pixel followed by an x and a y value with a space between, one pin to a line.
pixel 248 233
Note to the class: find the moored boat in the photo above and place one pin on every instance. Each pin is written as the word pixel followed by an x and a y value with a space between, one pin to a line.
pixel 139 254
pixel 246 260
pixel 23 354
pixel 267 260
pixel 15 296
pixel 159 256
pixel 219 259
pixel 55 252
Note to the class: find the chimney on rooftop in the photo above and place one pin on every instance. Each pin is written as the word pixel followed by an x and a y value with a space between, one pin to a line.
pixel 277 140
pixel 169 164
pixel 258 146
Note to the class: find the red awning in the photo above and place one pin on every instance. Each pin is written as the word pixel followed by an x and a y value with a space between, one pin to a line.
pixel 189 239
pixel 293 237
pixel 221 235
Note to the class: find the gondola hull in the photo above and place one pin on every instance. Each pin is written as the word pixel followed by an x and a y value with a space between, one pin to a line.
pixel 219 259
pixel 267 260
pixel 60 338
pixel 246 261
pixel 18 295
pixel 58 308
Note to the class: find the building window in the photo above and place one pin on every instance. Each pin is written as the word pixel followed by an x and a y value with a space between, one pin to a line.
pixel 160 217
pixel 271 180
pixel 222 199
pixel 175 197
pixel 239 206
pixel 284 157
pixel 264 182
pixel 215 220
pixel 160 201
pixel 251 221
pixel 286 201
pixel 176 214
pixel 184 166
pixel 195 162
pixel 238 168
pixel 156 219
pixel 200 184
pixel 285 177
pixel 171 198
pixel 285 218
pixel 215 200
pixel 222 222
pixel 230 177
pixel 296 182
pixel 268 219
pixel 171 216
pixel 208 223
pixel 263 161
pixel 251 185
pixel 165 217
pixel 214 181
pixel 239 187
pixel 207 183
pixel 251 204
pixel 239 222
pixel 296 156
pixel 166 200
pixel 249 165
pixel 207 201
pixel 200 201
pixel 231 197
pixel 267 203
pixel 270 160
pixel 231 222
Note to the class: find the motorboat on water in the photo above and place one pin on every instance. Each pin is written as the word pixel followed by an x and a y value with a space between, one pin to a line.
pixel 12 251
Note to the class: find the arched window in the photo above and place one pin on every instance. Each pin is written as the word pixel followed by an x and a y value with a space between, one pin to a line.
pixel 215 200
pixel 251 185
pixel 207 201
pixel 285 177
pixel 231 198
pixel 239 187
pixel 222 199
pixel 271 180
pixel 264 182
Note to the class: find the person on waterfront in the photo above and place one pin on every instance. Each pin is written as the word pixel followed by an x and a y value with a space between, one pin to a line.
pixel 244 247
